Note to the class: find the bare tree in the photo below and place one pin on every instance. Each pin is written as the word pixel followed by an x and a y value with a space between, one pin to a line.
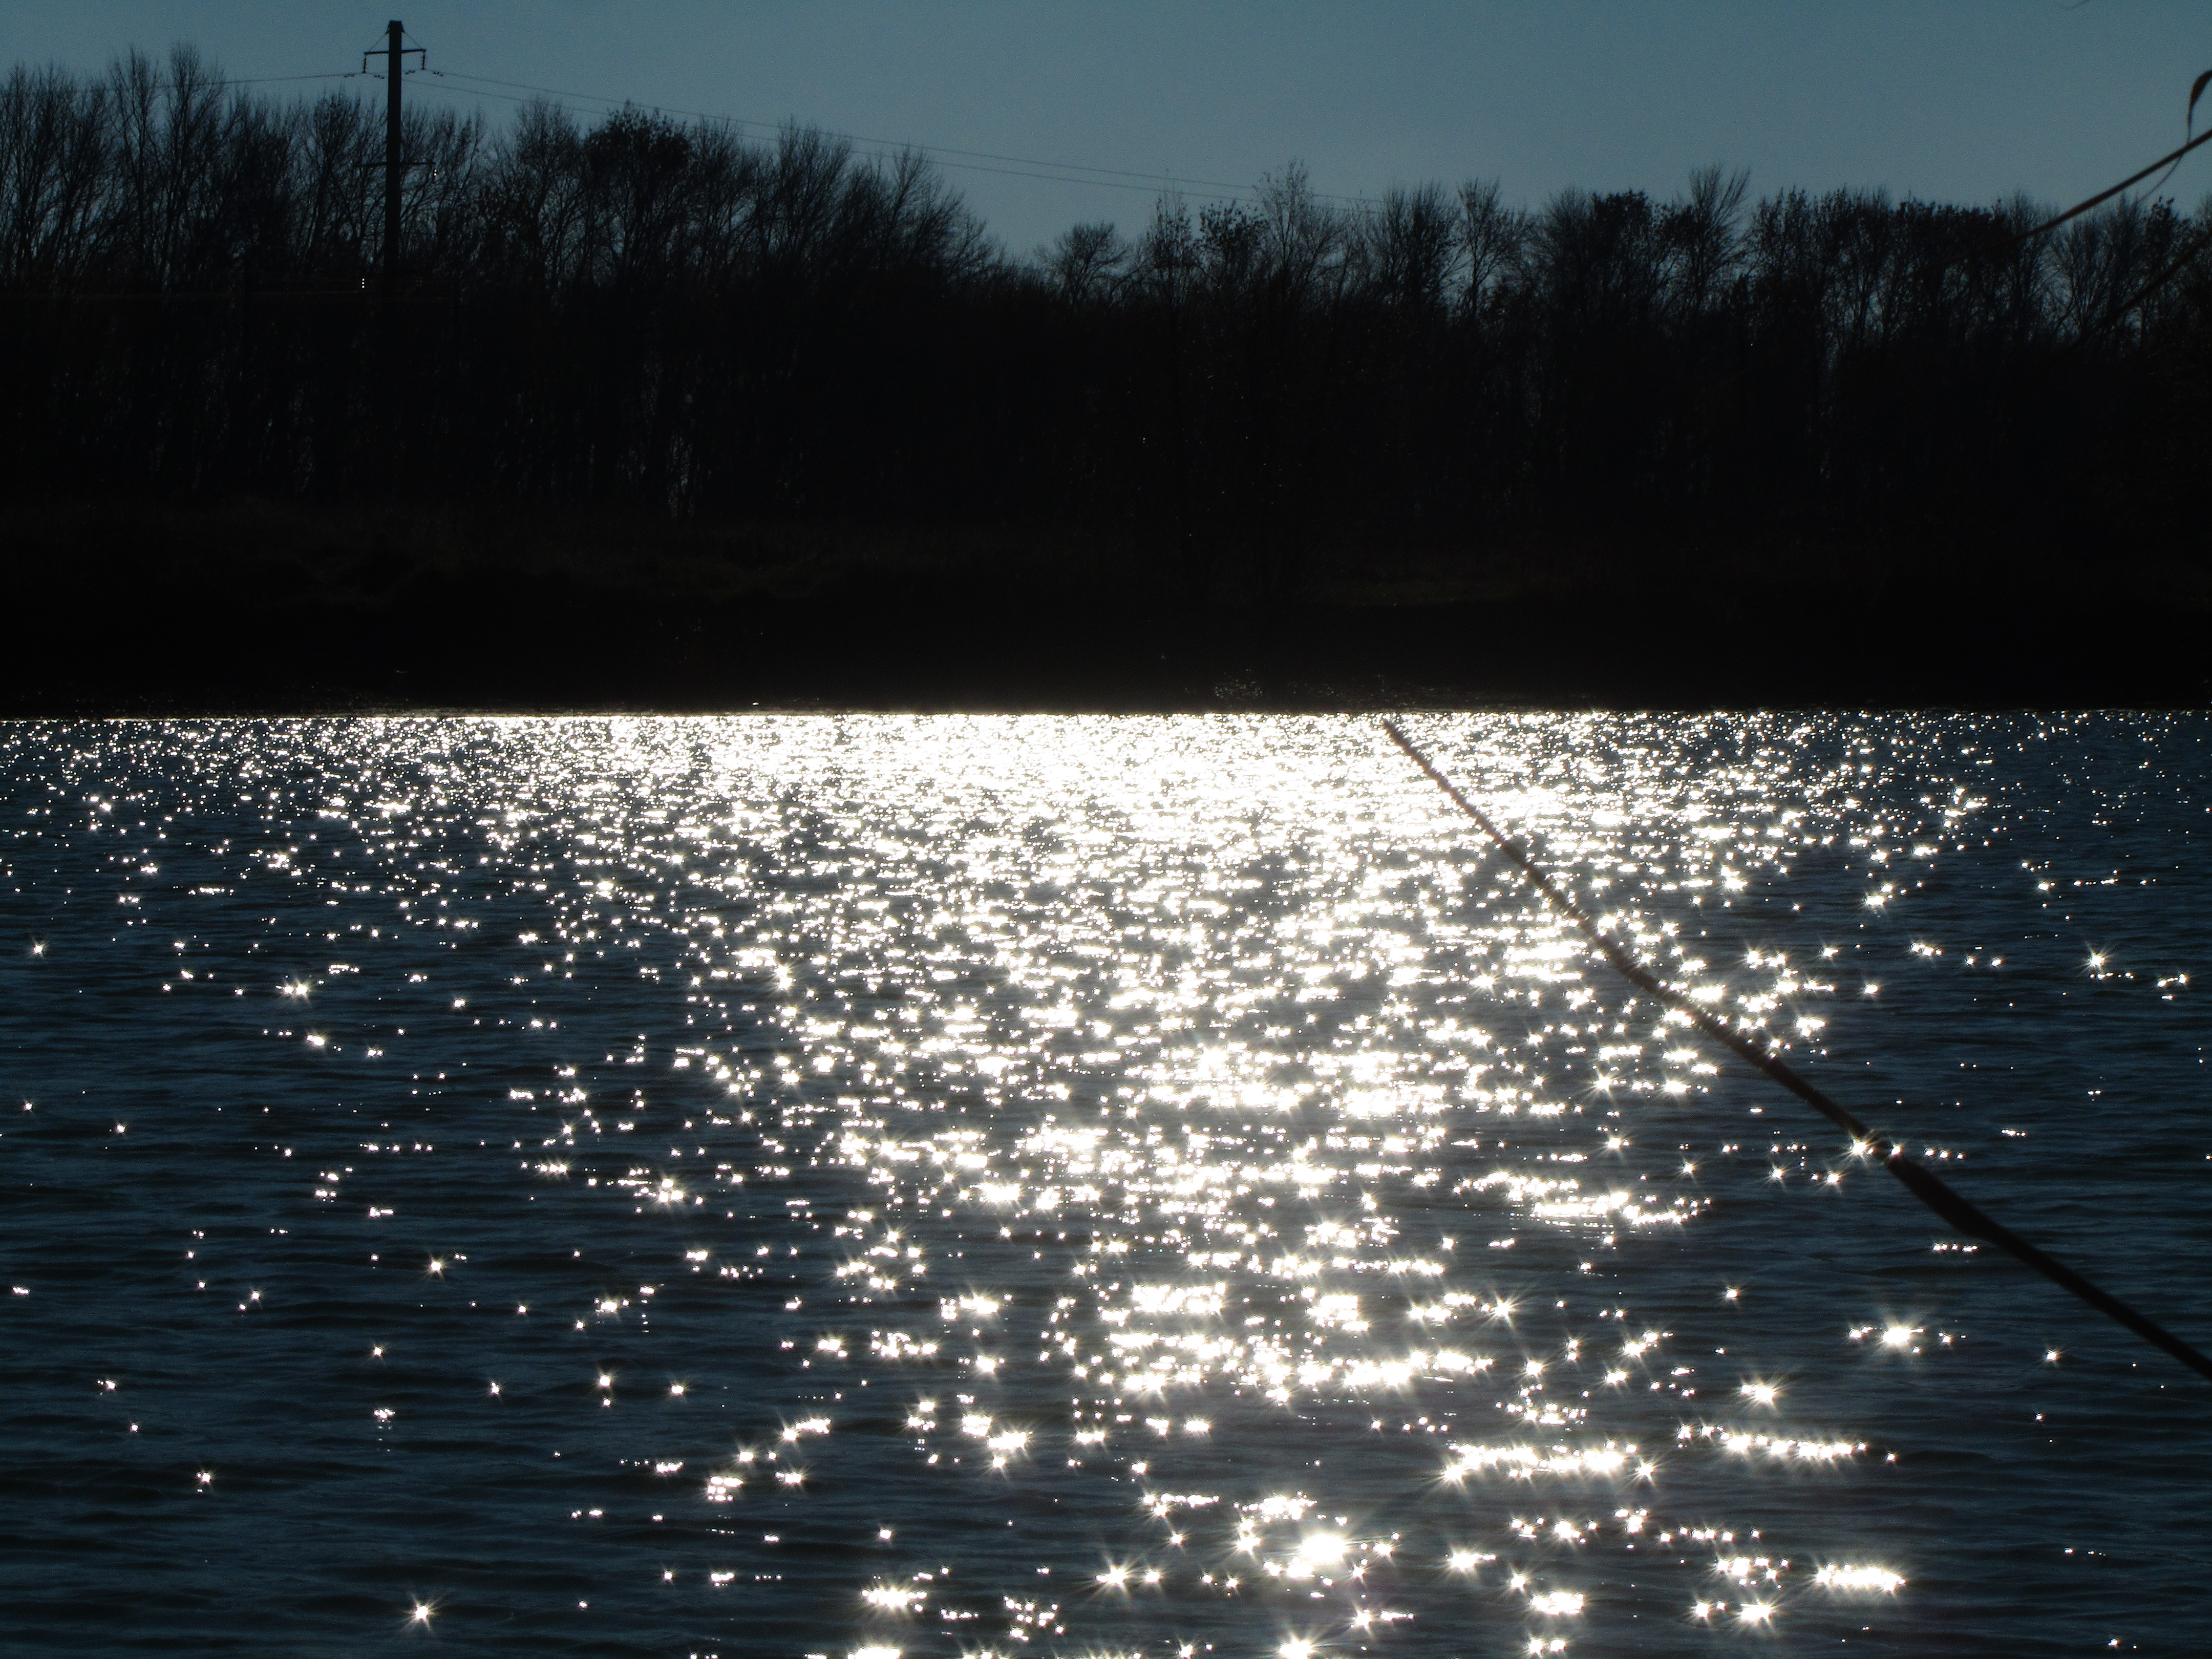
pixel 1085 262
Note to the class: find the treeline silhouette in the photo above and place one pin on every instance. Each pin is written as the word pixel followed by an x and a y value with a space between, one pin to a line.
pixel 1251 400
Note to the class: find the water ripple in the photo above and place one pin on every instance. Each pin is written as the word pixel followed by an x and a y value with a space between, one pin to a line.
pixel 836 1186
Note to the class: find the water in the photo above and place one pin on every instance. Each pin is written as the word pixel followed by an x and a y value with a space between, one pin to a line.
pixel 810 1185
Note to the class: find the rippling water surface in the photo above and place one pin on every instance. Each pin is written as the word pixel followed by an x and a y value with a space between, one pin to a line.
pixel 1074 1186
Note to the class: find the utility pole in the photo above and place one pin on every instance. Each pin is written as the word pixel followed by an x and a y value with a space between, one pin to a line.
pixel 393 176
pixel 395 162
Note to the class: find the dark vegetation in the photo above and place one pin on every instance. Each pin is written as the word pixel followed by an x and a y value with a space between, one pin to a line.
pixel 655 415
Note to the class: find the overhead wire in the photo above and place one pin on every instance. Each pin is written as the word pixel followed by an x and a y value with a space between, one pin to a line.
pixel 2190 139
pixel 857 137
pixel 252 80
pixel 987 162
pixel 887 149
pixel 1074 173
pixel 1932 1191
pixel 1056 172
pixel 2169 160
pixel 269 80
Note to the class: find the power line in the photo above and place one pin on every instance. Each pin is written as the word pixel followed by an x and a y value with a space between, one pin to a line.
pixel 864 138
pixel 1926 1187
pixel 1059 172
pixel 238 81
pixel 884 147
pixel 1163 184
pixel 267 80
pixel 979 160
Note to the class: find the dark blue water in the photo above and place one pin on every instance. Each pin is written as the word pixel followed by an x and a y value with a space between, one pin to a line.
pixel 1078 1186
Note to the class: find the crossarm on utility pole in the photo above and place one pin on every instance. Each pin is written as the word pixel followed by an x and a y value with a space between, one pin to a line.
pixel 393 52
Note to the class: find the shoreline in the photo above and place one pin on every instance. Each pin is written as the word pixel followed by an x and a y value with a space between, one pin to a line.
pixel 249 607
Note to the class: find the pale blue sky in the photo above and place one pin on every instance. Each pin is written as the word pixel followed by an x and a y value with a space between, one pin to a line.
pixel 1960 100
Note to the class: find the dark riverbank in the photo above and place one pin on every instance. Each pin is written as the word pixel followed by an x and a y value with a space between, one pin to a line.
pixel 653 416
pixel 255 607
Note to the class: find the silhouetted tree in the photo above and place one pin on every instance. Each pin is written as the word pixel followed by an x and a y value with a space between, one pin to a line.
pixel 641 313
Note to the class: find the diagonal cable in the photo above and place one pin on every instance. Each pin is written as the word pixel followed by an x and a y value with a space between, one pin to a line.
pixel 1930 1190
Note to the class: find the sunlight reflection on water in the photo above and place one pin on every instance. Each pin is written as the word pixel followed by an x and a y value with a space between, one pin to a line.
pixel 1254 1224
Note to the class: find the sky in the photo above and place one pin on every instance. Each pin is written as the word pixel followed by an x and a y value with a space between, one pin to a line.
pixel 1947 100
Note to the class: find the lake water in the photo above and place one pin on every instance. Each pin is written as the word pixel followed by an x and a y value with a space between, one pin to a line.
pixel 789 1186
